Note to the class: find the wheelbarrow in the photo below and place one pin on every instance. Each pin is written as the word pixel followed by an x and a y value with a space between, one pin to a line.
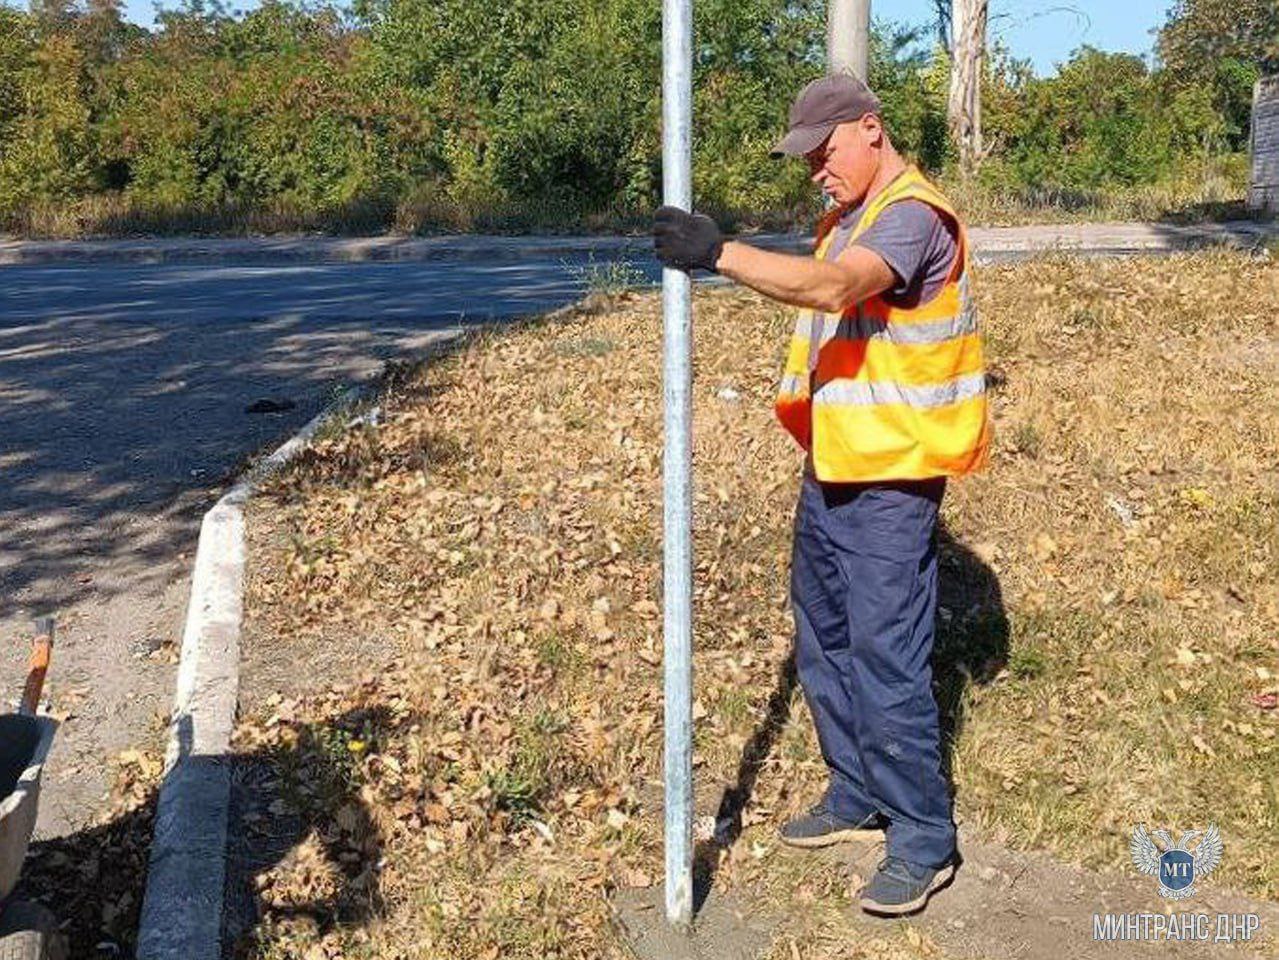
pixel 28 931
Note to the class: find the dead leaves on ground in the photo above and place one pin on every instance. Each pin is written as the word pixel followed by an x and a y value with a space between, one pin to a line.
pixel 501 529
pixel 93 878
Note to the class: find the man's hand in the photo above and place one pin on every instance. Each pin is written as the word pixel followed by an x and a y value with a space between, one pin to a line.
pixel 686 240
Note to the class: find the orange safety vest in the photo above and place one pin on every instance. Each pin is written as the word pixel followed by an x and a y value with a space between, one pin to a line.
pixel 883 392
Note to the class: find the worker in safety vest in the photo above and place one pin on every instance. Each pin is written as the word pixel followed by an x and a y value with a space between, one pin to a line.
pixel 884 387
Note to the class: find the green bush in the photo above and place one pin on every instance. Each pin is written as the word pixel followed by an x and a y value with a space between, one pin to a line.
pixel 451 114
pixel 48 142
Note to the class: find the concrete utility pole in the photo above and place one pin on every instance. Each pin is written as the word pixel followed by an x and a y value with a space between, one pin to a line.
pixel 848 37
pixel 1263 146
pixel 677 542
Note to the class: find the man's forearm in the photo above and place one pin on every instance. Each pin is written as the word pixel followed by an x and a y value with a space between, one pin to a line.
pixel 799 281
pixel 804 281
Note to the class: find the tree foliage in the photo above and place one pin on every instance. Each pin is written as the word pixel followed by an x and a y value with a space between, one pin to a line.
pixel 554 103
pixel 1200 33
pixel 1219 48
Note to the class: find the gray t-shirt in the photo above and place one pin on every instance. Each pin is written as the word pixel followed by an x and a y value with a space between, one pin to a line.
pixel 916 242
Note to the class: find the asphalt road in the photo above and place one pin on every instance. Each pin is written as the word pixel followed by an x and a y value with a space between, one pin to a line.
pixel 126 386
pixel 123 396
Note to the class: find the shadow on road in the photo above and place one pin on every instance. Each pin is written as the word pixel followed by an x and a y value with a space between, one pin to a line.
pixel 125 392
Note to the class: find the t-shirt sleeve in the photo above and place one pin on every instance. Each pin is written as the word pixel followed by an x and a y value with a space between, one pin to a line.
pixel 919 246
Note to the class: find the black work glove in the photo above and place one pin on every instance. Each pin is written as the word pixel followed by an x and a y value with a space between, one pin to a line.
pixel 686 240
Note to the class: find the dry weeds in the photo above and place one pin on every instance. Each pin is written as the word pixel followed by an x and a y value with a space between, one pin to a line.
pixel 1107 646
pixel 1213 189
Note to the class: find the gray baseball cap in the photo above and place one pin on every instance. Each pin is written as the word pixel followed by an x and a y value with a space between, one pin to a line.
pixel 822 106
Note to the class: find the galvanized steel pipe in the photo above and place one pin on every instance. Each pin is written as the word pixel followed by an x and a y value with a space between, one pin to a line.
pixel 677 568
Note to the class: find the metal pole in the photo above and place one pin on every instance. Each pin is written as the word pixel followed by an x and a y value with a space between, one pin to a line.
pixel 848 36
pixel 677 92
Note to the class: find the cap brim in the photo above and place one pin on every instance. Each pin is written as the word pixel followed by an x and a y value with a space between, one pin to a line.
pixel 801 140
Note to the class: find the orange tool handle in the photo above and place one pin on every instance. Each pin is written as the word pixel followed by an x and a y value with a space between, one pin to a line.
pixel 37 667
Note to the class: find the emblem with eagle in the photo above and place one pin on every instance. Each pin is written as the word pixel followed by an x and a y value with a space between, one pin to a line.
pixel 1175 865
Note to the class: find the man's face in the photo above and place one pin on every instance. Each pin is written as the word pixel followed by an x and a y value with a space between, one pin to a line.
pixel 846 163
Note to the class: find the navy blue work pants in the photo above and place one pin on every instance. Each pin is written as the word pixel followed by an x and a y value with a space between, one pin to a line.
pixel 864 593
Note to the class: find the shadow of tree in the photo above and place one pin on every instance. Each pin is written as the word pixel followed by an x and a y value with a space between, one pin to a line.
pixel 280 798
pixel 127 392
pixel 282 795
pixel 971 646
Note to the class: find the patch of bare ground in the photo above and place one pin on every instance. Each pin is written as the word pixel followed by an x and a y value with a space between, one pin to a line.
pixel 484 568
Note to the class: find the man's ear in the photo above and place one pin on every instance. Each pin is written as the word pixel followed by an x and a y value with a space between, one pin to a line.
pixel 873 130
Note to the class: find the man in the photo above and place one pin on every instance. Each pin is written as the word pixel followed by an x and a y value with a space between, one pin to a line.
pixel 884 387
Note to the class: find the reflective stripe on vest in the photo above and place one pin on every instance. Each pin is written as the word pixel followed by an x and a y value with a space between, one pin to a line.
pixel 897 393
pixel 867 393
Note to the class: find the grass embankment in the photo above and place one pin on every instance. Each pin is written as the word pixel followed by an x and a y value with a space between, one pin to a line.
pixel 1107 648
pixel 1210 190
pixel 1213 190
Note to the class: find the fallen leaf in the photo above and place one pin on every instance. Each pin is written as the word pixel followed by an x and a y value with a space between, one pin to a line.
pixel 1202 745
pixel 634 877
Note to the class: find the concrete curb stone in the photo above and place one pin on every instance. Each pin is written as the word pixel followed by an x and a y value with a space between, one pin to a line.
pixel 183 903
pixel 1087 237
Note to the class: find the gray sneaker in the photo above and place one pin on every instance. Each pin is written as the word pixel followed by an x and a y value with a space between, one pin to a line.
pixel 899 886
pixel 820 828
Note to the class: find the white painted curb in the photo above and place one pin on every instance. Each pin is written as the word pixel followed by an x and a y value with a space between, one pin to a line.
pixel 1100 238
pixel 182 907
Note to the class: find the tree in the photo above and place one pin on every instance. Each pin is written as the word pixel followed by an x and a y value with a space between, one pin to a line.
pixel 52 14
pixel 1200 33
pixel 104 32
pixel 910 76
pixel 942 9
pixel 1216 50
pixel 968 49
pixel 48 148
pixel 1102 121
pixel 17 45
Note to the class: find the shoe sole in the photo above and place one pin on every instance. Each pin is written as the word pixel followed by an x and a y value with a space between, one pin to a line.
pixel 944 876
pixel 834 837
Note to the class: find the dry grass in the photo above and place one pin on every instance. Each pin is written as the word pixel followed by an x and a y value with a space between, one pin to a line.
pixel 1134 525
pixel 428 209
pixel 1107 648
pixel 120 215
pixel 1211 190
